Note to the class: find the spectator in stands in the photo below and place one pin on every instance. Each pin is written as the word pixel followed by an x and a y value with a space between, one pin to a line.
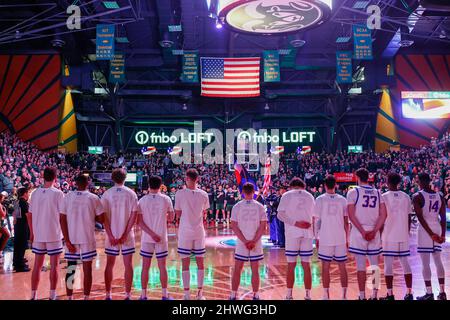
pixel 21 231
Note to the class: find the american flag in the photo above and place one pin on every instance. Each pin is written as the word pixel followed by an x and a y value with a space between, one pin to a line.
pixel 267 177
pixel 230 77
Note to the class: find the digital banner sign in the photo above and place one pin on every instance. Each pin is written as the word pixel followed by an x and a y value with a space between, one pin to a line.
pixel 271 66
pixel 349 177
pixel 143 137
pixel 95 149
pixel 426 104
pixel 344 66
pixel 355 149
pixel 362 43
pixel 105 41
pixel 117 68
pixel 190 67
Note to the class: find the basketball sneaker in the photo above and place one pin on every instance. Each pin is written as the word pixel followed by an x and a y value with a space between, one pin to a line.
pixel 427 296
pixel 408 296
pixel 442 296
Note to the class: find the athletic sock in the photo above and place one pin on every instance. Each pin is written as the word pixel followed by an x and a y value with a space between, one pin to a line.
pixel 200 293
pixel 307 293
pixel 326 293
pixel 144 293
pixel 362 294
pixel 108 295
pixel 52 294
pixel 442 287
pixel 289 293
pixel 33 294
pixel 390 292
pixel 429 290
pixel 256 294
pixel 233 294
pixel 344 293
pixel 128 295
pixel 186 275
pixel 200 278
pixel 164 292
pixel 187 294
pixel 374 293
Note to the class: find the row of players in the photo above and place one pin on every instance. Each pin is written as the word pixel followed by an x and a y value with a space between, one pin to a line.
pixel 379 224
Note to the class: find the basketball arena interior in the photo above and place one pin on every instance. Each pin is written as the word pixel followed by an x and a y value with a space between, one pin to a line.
pixel 344 104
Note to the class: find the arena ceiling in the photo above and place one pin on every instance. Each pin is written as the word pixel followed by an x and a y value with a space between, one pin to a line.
pixel 143 26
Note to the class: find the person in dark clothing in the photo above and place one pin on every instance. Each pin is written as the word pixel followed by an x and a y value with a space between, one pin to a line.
pixel 219 199
pixel 281 240
pixel 21 232
pixel 210 211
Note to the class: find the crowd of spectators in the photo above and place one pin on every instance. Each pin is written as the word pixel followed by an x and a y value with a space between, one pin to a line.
pixel 21 164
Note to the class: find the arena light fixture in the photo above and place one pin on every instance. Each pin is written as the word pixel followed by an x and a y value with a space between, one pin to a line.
pixel 342 39
pixel 122 40
pixel 175 28
pixel 177 52
pixel 361 5
pixel 284 52
pixel 268 17
pixel 111 4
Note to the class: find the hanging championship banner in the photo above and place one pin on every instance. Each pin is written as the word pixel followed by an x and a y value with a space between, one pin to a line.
pixel 344 66
pixel 362 43
pixel 288 60
pixel 190 66
pixel 105 41
pixel 271 66
pixel 117 68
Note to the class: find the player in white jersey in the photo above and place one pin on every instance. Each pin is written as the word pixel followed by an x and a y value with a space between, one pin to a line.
pixel 430 210
pixel 190 206
pixel 331 229
pixel 46 204
pixel 154 210
pixel 395 235
pixel 296 210
pixel 248 221
pixel 121 205
pixel 367 213
pixel 81 210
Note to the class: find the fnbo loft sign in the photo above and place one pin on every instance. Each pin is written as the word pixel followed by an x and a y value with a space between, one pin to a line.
pixel 144 138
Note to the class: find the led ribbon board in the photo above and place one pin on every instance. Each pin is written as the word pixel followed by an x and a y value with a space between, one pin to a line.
pixel 426 104
pixel 273 16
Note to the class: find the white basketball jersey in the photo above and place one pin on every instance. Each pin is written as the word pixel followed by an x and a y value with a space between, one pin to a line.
pixel 396 226
pixel 119 203
pixel 248 214
pixel 367 204
pixel 192 203
pixel 298 205
pixel 46 204
pixel 431 207
pixel 154 209
pixel 331 210
pixel 81 208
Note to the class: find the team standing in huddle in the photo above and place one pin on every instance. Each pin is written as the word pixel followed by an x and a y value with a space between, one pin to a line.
pixel 379 225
